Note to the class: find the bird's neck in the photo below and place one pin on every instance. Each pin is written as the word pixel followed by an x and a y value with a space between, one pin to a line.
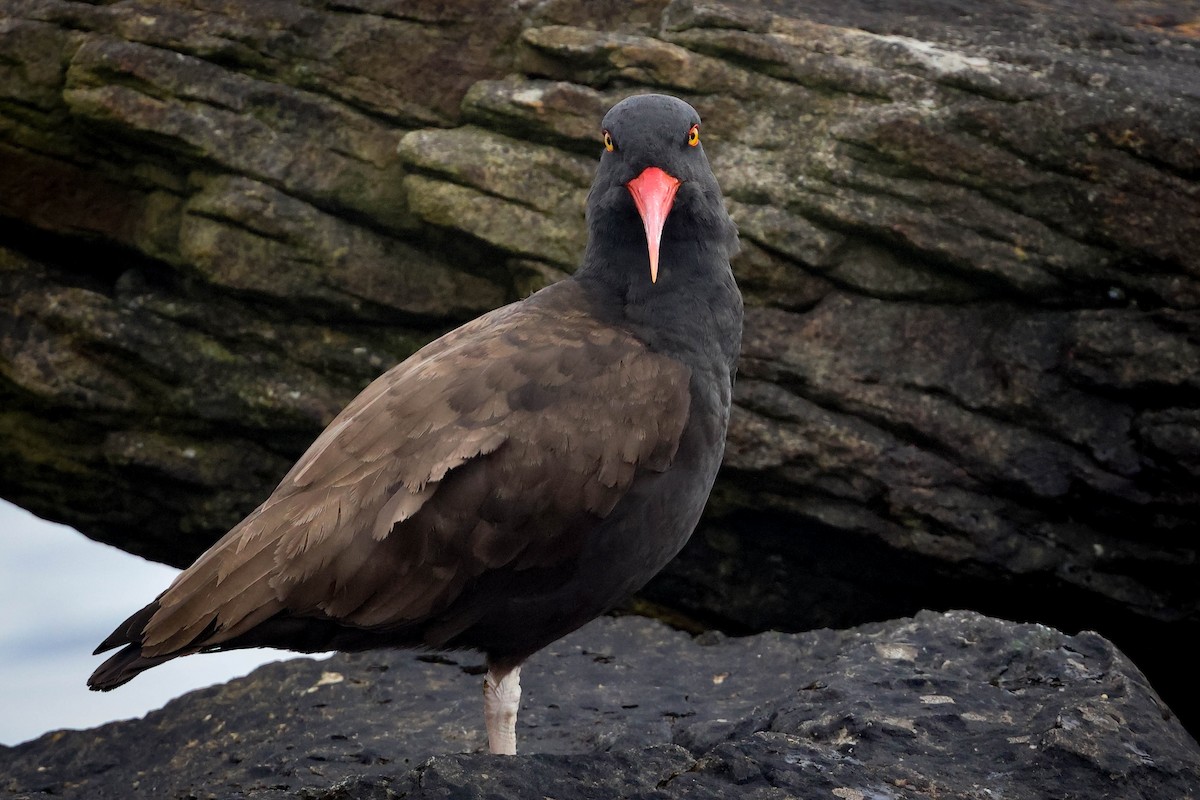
pixel 693 311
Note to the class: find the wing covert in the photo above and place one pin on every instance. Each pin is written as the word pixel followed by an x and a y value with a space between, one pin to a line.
pixel 497 446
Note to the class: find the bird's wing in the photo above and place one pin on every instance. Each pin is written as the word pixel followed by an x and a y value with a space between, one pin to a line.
pixel 493 447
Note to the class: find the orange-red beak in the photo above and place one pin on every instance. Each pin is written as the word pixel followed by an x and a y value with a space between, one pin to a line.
pixel 653 193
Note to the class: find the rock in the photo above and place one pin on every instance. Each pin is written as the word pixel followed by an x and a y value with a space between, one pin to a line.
pixel 526 200
pixel 968 247
pixel 952 704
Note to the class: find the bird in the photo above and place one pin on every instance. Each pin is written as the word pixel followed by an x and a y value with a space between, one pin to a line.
pixel 513 479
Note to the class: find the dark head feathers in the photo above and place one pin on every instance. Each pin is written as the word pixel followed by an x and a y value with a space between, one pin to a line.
pixel 652 130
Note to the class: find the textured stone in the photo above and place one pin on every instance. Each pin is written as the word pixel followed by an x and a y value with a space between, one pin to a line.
pixel 941 705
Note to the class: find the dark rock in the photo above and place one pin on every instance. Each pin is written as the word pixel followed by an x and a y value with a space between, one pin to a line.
pixel 969 246
pixel 952 705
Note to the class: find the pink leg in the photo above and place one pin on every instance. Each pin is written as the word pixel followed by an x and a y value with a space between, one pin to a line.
pixel 501 697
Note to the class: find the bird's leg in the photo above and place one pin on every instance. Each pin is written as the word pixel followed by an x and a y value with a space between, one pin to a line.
pixel 501 696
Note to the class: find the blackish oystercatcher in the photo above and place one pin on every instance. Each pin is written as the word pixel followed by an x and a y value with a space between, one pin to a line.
pixel 513 479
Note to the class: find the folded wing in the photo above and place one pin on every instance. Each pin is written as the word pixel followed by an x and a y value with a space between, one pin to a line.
pixel 496 447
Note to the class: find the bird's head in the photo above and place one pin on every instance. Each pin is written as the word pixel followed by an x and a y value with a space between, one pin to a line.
pixel 654 180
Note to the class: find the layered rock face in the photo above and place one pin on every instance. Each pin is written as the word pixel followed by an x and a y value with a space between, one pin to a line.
pixel 970 374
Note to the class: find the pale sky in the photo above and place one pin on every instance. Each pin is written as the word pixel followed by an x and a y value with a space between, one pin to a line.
pixel 60 595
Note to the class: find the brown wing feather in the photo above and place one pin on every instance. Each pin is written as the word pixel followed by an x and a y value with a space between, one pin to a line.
pixel 483 450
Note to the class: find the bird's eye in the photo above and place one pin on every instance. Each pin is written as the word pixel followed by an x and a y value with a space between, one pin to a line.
pixel 694 135
pixel 608 142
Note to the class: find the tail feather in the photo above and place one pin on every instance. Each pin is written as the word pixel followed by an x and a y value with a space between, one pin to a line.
pixel 129 631
pixel 123 666
pixel 283 631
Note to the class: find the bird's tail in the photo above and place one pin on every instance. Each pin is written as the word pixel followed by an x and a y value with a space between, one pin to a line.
pixel 124 665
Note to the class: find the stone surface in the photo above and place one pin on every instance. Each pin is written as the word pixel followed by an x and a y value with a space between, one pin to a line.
pixel 941 705
pixel 968 246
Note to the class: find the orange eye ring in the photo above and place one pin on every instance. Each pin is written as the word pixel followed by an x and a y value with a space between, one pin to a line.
pixel 693 135
pixel 608 142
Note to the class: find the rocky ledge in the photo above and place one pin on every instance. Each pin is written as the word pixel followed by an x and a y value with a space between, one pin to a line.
pixel 939 705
